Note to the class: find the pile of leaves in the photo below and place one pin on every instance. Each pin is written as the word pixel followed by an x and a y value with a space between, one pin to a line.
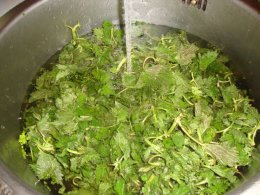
pixel 176 124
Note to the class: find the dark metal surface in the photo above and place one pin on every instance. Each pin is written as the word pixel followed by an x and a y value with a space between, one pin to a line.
pixel 13 13
pixel 11 185
pixel 6 5
pixel 35 30
pixel 254 4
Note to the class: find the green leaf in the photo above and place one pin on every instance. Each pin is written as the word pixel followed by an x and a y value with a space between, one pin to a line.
pixel 120 187
pixel 121 112
pixel 186 54
pixel 101 173
pixel 98 33
pixel 107 89
pixel 47 167
pixel 229 93
pixel 104 188
pixel 225 172
pixel 182 189
pixel 129 79
pixel 101 75
pixel 209 135
pixel 41 94
pixel 196 92
pixel 206 59
pixel 222 153
pixel 23 138
pixel 178 139
pixel 123 144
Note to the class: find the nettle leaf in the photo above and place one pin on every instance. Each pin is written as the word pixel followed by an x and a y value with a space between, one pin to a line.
pixel 230 93
pixel 224 154
pixel 107 29
pixel 23 138
pixel 145 79
pixel 65 70
pixel 178 139
pixel 107 89
pixel 225 172
pixel 101 75
pixel 123 144
pixel 186 54
pixel 98 33
pixel 104 188
pixel 120 187
pixel 196 92
pixel 101 173
pixel 121 112
pixel 41 94
pixel 206 59
pixel 47 167
pixel 210 88
pixel 209 135
pixel 129 79
pixel 182 189
pixel 218 66
pixel 182 84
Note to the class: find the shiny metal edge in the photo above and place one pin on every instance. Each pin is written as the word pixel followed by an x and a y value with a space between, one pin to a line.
pixel 16 12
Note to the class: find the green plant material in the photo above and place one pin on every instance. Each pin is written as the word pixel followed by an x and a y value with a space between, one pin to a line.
pixel 176 124
pixel 206 59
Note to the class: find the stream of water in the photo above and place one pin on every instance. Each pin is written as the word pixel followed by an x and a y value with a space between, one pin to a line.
pixel 127 18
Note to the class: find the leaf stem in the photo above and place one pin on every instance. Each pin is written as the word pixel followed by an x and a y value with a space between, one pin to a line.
pixel 255 130
pixel 193 79
pixel 122 62
pixel 74 32
pixel 188 101
pixel 146 117
pixel 150 161
pixel 226 129
pixel 74 180
pixel 154 114
pixel 157 148
pixel 146 59
pixel 74 152
pixel 174 124
pixel 223 82
pixel 186 132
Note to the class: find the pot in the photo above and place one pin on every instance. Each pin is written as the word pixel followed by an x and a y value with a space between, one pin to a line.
pixel 33 31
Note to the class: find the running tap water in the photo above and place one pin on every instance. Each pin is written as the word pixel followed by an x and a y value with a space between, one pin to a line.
pixel 127 18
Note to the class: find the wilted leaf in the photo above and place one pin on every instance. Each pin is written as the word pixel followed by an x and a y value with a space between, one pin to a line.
pixel 222 153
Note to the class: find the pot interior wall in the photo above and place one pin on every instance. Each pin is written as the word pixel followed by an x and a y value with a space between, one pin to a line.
pixel 39 31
